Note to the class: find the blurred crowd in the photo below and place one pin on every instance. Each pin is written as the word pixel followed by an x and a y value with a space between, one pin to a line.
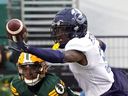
pixel 7 65
pixel 7 69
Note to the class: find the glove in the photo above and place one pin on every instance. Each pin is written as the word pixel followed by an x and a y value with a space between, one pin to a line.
pixel 22 46
pixel 18 46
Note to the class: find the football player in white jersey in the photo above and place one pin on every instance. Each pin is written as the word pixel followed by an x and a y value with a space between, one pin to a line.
pixel 83 53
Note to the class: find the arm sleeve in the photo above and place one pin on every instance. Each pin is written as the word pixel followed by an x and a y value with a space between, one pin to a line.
pixel 53 56
pixel 14 90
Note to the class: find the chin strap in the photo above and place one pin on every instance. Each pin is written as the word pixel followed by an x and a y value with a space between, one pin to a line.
pixel 33 82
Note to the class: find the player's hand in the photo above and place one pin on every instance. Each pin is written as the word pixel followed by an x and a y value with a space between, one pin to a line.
pixel 18 46
pixel 22 46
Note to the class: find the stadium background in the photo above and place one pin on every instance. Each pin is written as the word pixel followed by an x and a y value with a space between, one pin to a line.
pixel 107 19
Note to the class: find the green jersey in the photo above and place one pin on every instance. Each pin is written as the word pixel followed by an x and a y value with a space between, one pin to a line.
pixel 50 85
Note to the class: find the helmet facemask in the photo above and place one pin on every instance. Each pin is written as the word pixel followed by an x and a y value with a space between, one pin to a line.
pixel 32 72
pixel 61 34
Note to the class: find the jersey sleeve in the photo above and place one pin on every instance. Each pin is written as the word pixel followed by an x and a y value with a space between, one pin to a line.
pixel 14 90
pixel 80 44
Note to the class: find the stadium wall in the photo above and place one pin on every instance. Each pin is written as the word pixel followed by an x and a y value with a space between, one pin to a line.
pixel 3 18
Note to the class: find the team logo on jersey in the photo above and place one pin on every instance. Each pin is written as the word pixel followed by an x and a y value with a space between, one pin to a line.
pixel 59 88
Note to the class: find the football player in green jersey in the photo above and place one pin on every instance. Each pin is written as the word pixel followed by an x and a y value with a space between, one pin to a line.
pixel 35 80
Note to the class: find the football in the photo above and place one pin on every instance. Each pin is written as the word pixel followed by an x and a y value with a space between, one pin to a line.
pixel 15 29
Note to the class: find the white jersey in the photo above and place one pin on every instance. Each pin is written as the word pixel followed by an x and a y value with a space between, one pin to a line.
pixel 96 77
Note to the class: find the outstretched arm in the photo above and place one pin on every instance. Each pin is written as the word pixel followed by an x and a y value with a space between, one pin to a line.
pixel 55 56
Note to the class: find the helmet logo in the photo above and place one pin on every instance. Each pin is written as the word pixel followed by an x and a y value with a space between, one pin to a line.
pixel 58 22
pixel 78 16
